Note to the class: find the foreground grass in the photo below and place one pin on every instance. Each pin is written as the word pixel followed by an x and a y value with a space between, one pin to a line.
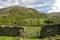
pixel 14 38
pixel 31 39
pixel 7 38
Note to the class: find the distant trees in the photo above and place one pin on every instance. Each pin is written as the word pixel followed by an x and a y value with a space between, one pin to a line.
pixel 48 22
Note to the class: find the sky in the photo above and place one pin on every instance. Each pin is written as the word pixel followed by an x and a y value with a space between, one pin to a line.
pixel 46 6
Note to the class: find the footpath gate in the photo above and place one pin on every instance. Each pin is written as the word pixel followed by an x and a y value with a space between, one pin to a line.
pixel 32 32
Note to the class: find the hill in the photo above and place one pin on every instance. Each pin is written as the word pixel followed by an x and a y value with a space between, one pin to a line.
pixel 19 15
pixel 21 12
pixel 54 16
pixel 55 13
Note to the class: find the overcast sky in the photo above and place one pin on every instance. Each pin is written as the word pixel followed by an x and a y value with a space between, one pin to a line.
pixel 46 6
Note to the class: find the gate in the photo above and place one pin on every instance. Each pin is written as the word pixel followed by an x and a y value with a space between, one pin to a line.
pixel 32 32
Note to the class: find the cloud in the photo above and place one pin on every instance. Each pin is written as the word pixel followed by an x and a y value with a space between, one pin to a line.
pixel 40 5
pixel 27 2
pixel 55 7
pixel 37 5
pixel 7 3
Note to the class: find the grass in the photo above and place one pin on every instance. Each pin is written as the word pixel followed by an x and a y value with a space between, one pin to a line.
pixel 7 38
pixel 31 39
pixel 14 38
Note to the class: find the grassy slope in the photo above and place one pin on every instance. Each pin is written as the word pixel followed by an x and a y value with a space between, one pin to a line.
pixel 16 14
pixel 21 12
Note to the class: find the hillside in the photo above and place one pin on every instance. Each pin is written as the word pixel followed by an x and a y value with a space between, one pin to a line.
pixel 21 12
pixel 19 15
pixel 55 13
pixel 54 16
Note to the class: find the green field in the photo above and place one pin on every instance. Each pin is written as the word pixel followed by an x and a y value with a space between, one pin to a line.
pixel 14 38
pixel 32 39
pixel 7 38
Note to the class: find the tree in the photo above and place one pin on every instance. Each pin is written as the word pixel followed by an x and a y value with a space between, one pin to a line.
pixel 48 22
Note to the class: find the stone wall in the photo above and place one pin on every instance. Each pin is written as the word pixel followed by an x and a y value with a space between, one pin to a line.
pixel 50 30
pixel 11 31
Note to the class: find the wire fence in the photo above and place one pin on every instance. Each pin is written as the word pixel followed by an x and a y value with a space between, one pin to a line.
pixel 32 32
